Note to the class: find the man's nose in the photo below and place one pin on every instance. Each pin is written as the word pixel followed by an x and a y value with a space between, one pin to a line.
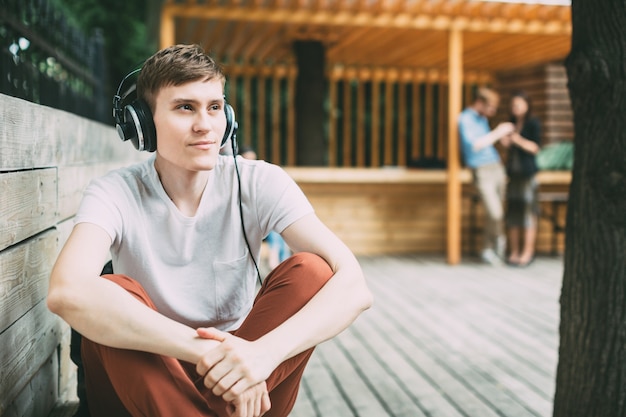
pixel 202 122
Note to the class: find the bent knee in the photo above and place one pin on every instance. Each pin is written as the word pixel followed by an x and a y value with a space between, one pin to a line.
pixel 313 263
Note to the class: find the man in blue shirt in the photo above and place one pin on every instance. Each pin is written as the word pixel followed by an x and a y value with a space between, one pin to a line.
pixel 480 155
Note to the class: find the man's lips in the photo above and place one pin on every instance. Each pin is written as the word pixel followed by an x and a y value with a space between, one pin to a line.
pixel 203 144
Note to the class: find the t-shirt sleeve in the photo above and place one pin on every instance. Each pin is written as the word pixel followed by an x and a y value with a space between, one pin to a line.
pixel 280 200
pixel 100 206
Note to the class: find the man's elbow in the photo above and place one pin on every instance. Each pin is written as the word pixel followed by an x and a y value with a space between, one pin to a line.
pixel 364 299
pixel 59 299
pixel 368 300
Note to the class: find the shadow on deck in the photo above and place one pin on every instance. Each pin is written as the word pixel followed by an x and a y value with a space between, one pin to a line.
pixel 470 340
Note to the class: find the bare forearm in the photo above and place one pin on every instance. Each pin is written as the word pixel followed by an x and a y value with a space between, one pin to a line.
pixel 105 313
pixel 525 144
pixel 492 137
pixel 484 141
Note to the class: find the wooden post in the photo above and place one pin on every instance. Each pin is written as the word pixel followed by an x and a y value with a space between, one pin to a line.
pixel 291 116
pixel 261 117
pixel 360 127
pixel 167 29
pixel 276 149
pixel 455 68
pixel 332 123
pixel 347 121
pixel 402 137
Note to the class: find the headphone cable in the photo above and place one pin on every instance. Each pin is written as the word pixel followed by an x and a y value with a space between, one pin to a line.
pixel 243 227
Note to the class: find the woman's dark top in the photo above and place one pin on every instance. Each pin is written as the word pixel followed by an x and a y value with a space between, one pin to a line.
pixel 521 164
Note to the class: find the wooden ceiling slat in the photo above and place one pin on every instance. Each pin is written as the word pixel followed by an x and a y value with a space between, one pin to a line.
pixel 214 34
pixel 347 41
pixel 364 19
pixel 243 34
pixel 387 33
pixel 256 43
pixel 221 44
pixel 201 31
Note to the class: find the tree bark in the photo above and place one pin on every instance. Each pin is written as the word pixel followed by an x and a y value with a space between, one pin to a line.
pixel 311 140
pixel 591 373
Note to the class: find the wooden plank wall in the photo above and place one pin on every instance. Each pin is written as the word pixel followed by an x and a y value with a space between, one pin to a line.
pixel 47 157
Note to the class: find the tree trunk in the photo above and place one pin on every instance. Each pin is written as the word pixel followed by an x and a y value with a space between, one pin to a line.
pixel 591 374
pixel 311 144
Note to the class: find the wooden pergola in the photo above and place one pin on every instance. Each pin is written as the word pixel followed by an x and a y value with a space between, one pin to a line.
pixel 449 39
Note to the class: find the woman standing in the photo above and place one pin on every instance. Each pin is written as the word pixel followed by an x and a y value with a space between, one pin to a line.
pixel 521 195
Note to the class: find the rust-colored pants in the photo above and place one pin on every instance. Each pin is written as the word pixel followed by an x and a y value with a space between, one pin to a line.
pixel 122 382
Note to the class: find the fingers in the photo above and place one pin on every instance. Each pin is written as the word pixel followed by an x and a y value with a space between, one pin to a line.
pixel 254 402
pixel 266 404
pixel 212 333
pixel 213 356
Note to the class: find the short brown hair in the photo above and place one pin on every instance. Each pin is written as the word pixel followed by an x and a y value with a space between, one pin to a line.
pixel 488 96
pixel 175 65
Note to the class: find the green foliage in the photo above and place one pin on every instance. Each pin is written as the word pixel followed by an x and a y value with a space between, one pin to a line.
pixel 556 156
pixel 123 23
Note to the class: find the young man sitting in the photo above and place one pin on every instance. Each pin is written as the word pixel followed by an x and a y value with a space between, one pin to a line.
pixel 177 329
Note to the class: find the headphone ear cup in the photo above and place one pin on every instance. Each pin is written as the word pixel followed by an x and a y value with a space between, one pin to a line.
pixel 147 125
pixel 139 126
pixel 231 124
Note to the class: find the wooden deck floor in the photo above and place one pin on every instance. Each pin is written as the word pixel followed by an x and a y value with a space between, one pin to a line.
pixel 440 341
pixel 470 340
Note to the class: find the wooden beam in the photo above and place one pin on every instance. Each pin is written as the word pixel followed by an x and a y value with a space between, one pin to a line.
pixel 167 32
pixel 247 109
pixel 417 126
pixel 428 121
pixel 360 127
pixel 347 122
pixel 375 150
pixel 402 113
pixel 389 111
pixel 365 18
pixel 455 69
pixel 441 117
pixel 276 117
pixel 291 117
pixel 261 116
pixel 332 123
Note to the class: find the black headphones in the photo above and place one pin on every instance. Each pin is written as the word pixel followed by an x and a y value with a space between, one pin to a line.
pixel 134 120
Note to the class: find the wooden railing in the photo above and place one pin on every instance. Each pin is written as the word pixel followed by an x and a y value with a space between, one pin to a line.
pixel 376 117
pixel 45 59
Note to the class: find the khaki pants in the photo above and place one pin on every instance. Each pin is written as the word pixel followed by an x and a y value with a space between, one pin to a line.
pixel 490 181
pixel 124 383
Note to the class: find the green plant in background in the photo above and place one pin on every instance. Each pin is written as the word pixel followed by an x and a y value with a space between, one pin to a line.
pixel 125 30
pixel 556 156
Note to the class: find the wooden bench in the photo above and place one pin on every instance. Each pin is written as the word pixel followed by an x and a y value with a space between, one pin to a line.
pixel 557 201
pixel 553 194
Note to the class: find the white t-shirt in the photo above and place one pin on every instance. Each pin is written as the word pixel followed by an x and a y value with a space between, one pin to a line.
pixel 196 270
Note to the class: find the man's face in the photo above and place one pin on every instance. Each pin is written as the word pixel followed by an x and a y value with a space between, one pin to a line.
pixel 190 123
pixel 488 108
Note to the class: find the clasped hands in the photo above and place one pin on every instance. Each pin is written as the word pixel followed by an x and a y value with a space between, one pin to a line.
pixel 506 132
pixel 236 370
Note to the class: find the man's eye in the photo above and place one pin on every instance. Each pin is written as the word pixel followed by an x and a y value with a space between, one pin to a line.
pixel 215 107
pixel 185 107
